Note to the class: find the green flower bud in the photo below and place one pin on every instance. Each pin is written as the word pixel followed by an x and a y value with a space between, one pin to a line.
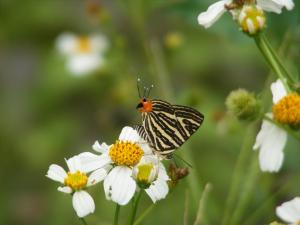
pixel 146 172
pixel 243 104
pixel 251 19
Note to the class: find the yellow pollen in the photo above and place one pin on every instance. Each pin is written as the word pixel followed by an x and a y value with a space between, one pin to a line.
pixel 76 181
pixel 287 110
pixel 84 45
pixel 298 222
pixel 125 153
pixel 144 172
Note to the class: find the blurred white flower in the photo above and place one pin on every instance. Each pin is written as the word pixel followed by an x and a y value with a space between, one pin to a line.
pixel 75 181
pixel 217 9
pixel 84 53
pixel 120 160
pixel 271 139
pixel 290 211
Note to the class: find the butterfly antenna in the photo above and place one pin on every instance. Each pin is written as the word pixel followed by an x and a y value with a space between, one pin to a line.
pixel 138 86
pixel 145 92
pixel 149 89
pixel 184 161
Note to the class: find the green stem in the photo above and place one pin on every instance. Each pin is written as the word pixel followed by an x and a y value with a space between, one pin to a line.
pixel 279 62
pixel 238 174
pixel 287 129
pixel 246 194
pixel 135 206
pixel 83 221
pixel 145 213
pixel 117 211
pixel 202 204
pixel 272 59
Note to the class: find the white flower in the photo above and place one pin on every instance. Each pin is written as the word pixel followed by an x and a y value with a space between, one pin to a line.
pixel 217 9
pixel 271 139
pixel 120 160
pixel 151 175
pixel 290 211
pixel 84 53
pixel 75 181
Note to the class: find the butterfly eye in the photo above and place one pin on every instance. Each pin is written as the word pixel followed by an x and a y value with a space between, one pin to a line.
pixel 140 105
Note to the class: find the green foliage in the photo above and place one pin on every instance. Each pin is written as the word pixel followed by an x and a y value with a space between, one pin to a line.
pixel 47 114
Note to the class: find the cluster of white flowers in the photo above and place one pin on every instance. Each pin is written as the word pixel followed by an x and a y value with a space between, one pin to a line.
pixel 125 167
pixel 271 139
pixel 84 53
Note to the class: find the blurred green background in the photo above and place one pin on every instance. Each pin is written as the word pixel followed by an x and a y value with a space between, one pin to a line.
pixel 47 114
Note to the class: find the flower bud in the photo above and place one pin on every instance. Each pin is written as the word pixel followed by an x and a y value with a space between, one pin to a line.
pixel 173 40
pixel 243 104
pixel 176 173
pixel 251 19
pixel 146 172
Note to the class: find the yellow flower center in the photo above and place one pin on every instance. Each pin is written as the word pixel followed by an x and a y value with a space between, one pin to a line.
pixel 84 45
pixel 125 153
pixel 287 110
pixel 76 181
pixel 251 19
pixel 144 172
pixel 298 222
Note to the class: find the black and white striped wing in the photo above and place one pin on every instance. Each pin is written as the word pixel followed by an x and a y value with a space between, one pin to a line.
pixel 168 126
pixel 188 118
pixel 161 127
pixel 141 131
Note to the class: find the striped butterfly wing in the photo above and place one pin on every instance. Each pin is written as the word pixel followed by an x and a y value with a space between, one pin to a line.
pixel 188 118
pixel 168 126
pixel 161 127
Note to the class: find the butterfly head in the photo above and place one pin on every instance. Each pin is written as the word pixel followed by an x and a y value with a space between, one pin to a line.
pixel 145 105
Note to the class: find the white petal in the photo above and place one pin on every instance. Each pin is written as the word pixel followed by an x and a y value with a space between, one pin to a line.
pixel 83 203
pixel 213 13
pixel 103 148
pixel 145 147
pixel 90 161
pixel 149 159
pixel 288 4
pixel 278 91
pixel 269 6
pixel 80 64
pixel 97 176
pixel 119 186
pixel 74 164
pixel 289 211
pixel 66 43
pixel 162 173
pixel 271 141
pixel 65 189
pixel 99 43
pixel 129 134
pixel 57 173
pixel 158 190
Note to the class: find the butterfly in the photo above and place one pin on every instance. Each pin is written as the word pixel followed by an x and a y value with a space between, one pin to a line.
pixel 165 126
